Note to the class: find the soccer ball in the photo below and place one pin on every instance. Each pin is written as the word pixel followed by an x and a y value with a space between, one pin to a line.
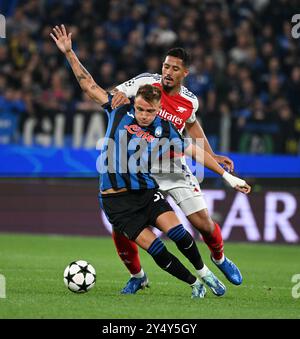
pixel 80 276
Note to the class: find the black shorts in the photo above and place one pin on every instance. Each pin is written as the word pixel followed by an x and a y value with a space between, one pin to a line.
pixel 131 211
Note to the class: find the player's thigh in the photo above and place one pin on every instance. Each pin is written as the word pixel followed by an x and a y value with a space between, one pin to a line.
pixel 145 238
pixel 188 199
pixel 166 221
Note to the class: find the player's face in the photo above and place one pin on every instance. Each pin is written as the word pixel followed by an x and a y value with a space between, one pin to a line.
pixel 173 73
pixel 145 112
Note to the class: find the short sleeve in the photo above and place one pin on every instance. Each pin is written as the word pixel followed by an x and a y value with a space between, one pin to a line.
pixel 193 118
pixel 131 86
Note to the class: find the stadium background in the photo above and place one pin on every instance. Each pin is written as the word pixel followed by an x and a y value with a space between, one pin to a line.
pixel 245 72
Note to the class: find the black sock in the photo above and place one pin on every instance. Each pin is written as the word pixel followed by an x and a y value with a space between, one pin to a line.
pixel 168 262
pixel 186 245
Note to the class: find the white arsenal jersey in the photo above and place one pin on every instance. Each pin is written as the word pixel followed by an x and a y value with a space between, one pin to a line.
pixel 179 108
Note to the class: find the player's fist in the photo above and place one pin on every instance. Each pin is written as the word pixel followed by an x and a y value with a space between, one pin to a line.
pixel 237 183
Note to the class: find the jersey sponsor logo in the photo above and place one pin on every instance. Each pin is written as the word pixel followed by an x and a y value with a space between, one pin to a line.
pixel 181 109
pixel 137 130
pixel 170 117
pixel 158 131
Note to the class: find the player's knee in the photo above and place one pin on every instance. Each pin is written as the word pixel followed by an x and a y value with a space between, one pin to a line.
pixel 203 223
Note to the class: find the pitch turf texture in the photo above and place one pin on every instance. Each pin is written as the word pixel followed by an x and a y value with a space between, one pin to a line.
pixel 33 268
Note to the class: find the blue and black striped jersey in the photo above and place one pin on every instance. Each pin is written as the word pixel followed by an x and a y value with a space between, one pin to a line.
pixel 129 151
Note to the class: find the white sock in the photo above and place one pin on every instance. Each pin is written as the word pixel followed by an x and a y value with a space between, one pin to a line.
pixel 220 261
pixel 203 271
pixel 139 275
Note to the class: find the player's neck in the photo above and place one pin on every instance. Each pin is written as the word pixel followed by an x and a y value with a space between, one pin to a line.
pixel 173 91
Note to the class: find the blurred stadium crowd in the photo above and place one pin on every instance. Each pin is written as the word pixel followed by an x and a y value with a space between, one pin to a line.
pixel 245 62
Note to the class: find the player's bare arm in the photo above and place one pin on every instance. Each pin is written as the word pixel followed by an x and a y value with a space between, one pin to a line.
pixel 196 131
pixel 204 158
pixel 63 41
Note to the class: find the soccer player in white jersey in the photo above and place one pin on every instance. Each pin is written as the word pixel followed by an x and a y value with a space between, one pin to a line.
pixel 178 106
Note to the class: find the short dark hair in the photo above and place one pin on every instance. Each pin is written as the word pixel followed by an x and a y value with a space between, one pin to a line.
pixel 149 93
pixel 180 53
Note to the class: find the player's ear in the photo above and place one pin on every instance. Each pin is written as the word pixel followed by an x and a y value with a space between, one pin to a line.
pixel 186 72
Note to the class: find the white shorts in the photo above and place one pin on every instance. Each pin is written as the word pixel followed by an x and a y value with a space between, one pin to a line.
pixel 184 189
pixel 188 200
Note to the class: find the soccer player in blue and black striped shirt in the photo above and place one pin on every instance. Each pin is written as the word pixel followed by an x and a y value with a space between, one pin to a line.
pixel 128 193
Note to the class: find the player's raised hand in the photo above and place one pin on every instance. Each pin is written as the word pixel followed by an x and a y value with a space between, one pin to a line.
pixel 62 39
pixel 225 161
pixel 119 98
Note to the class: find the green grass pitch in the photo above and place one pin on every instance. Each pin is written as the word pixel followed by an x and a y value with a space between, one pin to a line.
pixel 33 269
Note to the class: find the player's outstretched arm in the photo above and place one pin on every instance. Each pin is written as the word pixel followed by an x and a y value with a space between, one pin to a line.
pixel 204 158
pixel 63 41
pixel 196 131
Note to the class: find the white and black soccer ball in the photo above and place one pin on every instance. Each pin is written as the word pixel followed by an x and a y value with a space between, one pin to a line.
pixel 80 276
